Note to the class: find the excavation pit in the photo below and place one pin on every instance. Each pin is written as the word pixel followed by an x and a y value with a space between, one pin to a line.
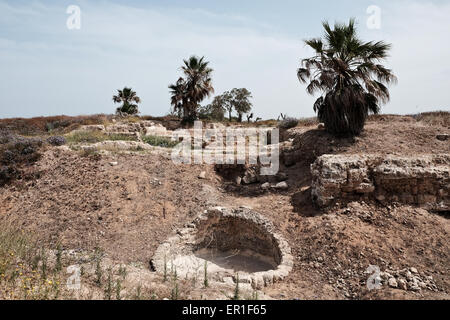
pixel 223 243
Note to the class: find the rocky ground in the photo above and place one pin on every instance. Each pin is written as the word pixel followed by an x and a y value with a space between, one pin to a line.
pixel 129 203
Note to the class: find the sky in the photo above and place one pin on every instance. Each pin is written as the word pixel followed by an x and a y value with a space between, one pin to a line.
pixel 48 69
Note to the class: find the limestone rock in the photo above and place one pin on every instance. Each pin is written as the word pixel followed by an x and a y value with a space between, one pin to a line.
pixel 392 282
pixel 402 284
pixel 265 186
pixel 282 186
pixel 418 180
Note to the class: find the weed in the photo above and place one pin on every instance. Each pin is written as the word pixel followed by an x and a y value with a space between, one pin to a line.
pixel 56 141
pixel 109 286
pixel 123 272
pixel 43 264
pixel 160 141
pixel 165 269
pixel 138 295
pixel 118 289
pixel 288 123
pixel 174 294
pixel 236 289
pixel 97 136
pixel 98 266
pixel 175 275
pixel 90 153
pixel 205 281
pixel 58 265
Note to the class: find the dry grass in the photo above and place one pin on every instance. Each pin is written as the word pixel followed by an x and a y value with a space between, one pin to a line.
pixel 25 272
pixel 31 272
pixel 437 118
pixel 46 125
pixel 16 155
pixel 307 122
pixel 96 136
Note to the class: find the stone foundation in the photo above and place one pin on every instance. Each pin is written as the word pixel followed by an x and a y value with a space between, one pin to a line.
pixel 228 242
pixel 423 180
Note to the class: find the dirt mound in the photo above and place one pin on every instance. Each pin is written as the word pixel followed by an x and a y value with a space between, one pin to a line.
pixel 44 125
pixel 126 208
pixel 382 135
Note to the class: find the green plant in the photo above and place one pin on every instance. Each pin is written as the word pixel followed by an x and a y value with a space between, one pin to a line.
pixel 85 137
pixel 138 295
pixel 44 264
pixel 90 153
pixel 175 274
pixel 236 289
pixel 347 73
pixel 97 136
pixel 237 100
pixel 123 272
pixel 118 289
pixel 255 295
pixel 205 281
pixel 98 266
pixel 165 269
pixel 160 141
pixel 213 111
pixel 58 264
pixel 16 153
pixel 24 270
pixel 241 101
pixel 288 123
pixel 109 286
pixel 174 293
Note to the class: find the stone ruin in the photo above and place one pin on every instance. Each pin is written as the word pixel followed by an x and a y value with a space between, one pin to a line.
pixel 420 180
pixel 232 244
pixel 145 128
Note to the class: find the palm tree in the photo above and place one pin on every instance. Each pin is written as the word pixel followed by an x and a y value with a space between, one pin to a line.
pixel 194 88
pixel 127 96
pixel 178 97
pixel 348 74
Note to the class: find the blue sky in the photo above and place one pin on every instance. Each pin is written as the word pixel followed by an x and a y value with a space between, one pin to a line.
pixel 50 70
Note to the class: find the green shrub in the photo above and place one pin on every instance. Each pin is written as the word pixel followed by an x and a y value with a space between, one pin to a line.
pixel 160 141
pixel 288 123
pixel 17 152
pixel 97 136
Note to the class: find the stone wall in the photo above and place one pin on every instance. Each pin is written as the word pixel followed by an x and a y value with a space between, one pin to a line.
pixel 422 180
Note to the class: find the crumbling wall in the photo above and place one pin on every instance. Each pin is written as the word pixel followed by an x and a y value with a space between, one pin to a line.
pixel 422 180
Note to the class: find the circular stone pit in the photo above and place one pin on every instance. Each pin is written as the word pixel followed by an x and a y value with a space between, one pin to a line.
pixel 229 242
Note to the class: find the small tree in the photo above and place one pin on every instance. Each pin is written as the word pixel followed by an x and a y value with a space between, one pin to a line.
pixel 226 100
pixel 214 111
pixel 237 100
pixel 129 100
pixel 241 101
